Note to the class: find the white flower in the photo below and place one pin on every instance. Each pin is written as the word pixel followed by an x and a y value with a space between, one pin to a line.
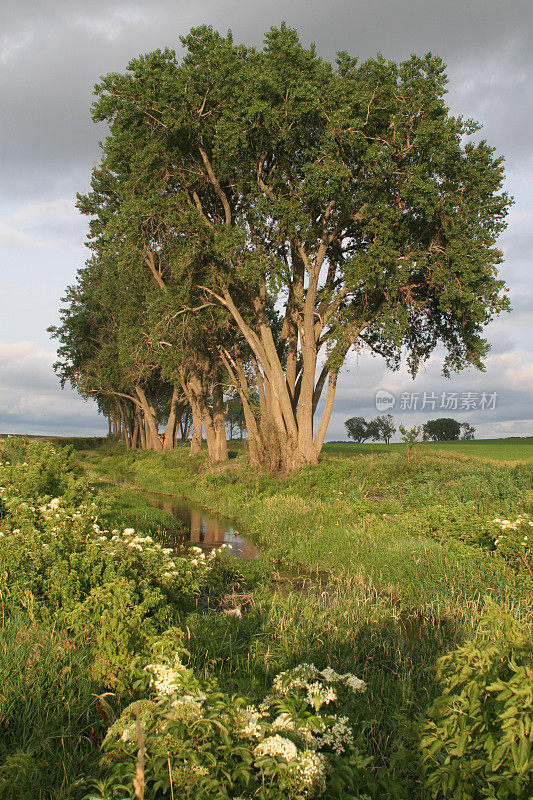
pixel 128 531
pixel 166 679
pixel 310 771
pixel 330 675
pixel 354 683
pixel 297 678
pixel 248 726
pixel 337 736
pixel 283 722
pixel 318 695
pixel 277 746
pixel 186 708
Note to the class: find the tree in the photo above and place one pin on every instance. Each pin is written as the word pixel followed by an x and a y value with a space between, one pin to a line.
pixel 467 431
pixel 234 416
pixel 410 438
pixel 444 429
pixel 357 429
pixel 340 204
pixel 382 427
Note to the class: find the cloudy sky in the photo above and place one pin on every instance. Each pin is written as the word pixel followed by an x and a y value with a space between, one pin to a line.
pixel 53 51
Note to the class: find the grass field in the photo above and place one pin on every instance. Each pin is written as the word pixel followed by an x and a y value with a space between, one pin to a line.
pixel 370 565
pixel 401 557
pixel 513 449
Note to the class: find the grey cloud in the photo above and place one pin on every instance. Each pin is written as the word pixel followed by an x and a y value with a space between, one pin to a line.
pixel 509 375
pixel 30 398
pixel 54 53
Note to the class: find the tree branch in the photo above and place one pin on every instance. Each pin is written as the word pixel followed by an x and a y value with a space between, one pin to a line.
pixel 216 185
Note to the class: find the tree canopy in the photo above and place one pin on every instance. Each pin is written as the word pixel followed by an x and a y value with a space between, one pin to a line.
pixel 444 429
pixel 261 212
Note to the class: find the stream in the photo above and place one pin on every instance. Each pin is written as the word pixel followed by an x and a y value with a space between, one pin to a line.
pixel 204 529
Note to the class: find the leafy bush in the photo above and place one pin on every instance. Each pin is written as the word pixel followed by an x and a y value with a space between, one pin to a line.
pixel 117 589
pixel 190 740
pixel 513 540
pixel 39 469
pixel 478 736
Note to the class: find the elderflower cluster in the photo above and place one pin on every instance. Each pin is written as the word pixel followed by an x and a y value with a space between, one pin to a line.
pixel 315 684
pixel 318 694
pixel 166 679
pixel 284 722
pixel 278 747
pixel 310 771
pixel 248 723
pixel 186 708
pixel 338 736
pixel 517 530
pixel 333 733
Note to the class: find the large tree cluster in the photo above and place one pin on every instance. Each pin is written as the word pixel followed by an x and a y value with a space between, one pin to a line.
pixel 256 214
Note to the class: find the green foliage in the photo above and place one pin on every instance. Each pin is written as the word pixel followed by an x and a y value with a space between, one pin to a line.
pixel 382 427
pixel 477 740
pixel 357 429
pixel 444 429
pixel 467 431
pixel 387 574
pixel 49 709
pixel 40 469
pixel 115 589
pixel 339 196
pixel 410 437
pixel 201 743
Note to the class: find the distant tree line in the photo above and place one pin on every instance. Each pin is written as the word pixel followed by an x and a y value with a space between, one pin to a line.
pixel 382 428
pixel 447 429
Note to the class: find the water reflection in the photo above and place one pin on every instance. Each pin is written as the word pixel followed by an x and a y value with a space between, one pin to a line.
pixel 204 529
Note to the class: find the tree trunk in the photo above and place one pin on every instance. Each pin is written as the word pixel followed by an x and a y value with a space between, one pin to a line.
pixel 169 437
pixel 152 436
pixel 219 424
pixel 196 437
pixel 326 414
pixel 142 431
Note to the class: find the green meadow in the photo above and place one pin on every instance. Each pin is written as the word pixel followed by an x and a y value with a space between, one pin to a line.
pixel 370 565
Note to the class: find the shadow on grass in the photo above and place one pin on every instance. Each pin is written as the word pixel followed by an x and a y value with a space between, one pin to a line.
pixel 393 650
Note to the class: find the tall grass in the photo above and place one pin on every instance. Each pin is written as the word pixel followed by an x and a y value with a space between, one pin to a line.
pixel 51 720
pixel 371 565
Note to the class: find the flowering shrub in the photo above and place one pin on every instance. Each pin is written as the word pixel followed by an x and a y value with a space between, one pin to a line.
pixel 477 737
pixel 115 587
pixel 38 469
pixel 512 539
pixel 197 742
